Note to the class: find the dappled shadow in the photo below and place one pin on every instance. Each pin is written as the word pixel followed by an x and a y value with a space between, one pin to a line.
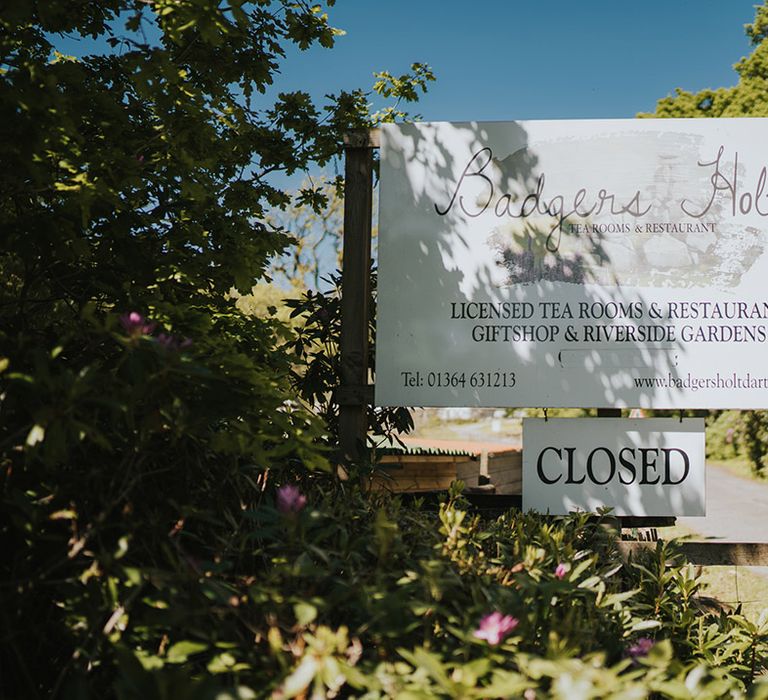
pixel 642 467
pixel 493 264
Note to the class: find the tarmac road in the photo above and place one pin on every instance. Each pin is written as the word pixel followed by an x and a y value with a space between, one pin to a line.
pixel 737 508
pixel 737 511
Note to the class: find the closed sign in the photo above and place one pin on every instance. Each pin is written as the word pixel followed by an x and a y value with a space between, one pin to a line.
pixel 638 467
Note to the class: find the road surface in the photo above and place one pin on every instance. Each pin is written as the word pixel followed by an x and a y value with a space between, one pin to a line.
pixel 737 508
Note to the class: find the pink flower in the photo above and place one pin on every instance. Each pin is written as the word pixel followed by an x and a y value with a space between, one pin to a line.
pixel 561 570
pixel 494 627
pixel 290 500
pixel 136 325
pixel 641 647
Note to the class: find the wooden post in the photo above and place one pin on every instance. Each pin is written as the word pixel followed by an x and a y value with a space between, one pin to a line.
pixel 355 295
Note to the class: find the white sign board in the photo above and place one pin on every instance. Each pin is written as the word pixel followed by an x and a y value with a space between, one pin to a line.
pixel 642 467
pixel 574 263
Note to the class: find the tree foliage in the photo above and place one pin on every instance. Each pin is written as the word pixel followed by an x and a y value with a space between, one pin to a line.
pixel 748 98
pixel 142 413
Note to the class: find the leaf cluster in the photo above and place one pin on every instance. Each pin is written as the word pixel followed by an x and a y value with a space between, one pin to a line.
pixel 361 594
pixel 748 98
pixel 317 373
pixel 139 176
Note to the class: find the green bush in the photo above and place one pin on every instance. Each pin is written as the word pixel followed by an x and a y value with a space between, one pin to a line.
pixel 726 435
pixel 739 435
pixel 756 440
pixel 127 466
pixel 356 594
pixel 142 414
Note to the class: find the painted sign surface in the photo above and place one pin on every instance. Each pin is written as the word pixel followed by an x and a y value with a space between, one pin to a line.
pixel 574 263
pixel 643 467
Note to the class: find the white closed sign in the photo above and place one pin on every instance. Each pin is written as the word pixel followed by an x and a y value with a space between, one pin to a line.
pixel 637 467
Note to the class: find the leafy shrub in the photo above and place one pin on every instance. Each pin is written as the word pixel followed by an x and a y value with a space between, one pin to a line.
pixel 360 594
pixel 756 440
pixel 726 435
pixel 127 465
pixel 135 196
pixel 317 373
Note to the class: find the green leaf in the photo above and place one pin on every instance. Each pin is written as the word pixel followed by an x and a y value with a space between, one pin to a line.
pixel 506 684
pixel 298 681
pixel 421 658
pixel 36 435
pixel 645 625
pixel 181 651
pixel 305 613
pixel 222 663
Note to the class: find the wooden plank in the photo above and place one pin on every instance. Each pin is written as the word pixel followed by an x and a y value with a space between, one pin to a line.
pixel 516 471
pixel 420 470
pixel 511 488
pixel 509 482
pixel 421 459
pixel 505 457
pixel 467 470
pixel 441 471
pixel 506 474
pixel 422 485
pixel 495 465
pixel 506 479
pixel 506 469
pixel 712 553
pixel 355 295
pixel 355 395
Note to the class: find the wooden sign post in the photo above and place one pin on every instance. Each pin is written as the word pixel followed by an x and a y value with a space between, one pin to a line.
pixel 353 393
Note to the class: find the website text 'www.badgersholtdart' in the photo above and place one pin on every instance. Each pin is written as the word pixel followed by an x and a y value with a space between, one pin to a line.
pixel 694 383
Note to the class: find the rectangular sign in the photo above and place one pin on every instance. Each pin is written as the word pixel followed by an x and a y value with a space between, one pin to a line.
pixel 641 467
pixel 574 263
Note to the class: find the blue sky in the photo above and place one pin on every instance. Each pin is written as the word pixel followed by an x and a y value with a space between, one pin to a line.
pixel 526 59
pixel 518 59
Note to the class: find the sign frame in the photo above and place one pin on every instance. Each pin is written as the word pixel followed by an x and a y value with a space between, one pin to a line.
pixel 449 332
pixel 645 467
